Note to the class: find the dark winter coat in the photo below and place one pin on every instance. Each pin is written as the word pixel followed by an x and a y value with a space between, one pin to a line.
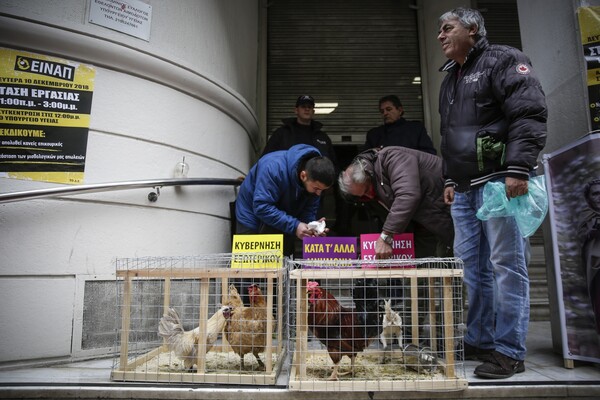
pixel 292 133
pixel 493 116
pixel 409 184
pixel 273 195
pixel 411 134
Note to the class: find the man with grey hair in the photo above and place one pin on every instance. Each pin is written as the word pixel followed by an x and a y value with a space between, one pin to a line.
pixel 493 127
pixel 408 184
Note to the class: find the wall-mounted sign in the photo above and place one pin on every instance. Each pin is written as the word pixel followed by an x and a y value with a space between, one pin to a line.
pixel 131 17
pixel 45 105
pixel 589 24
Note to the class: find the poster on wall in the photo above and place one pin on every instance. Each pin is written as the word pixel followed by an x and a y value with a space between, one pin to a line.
pixel 573 182
pixel 589 24
pixel 45 105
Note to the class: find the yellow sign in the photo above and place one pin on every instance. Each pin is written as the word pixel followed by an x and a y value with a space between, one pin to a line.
pixel 589 26
pixel 45 107
pixel 257 251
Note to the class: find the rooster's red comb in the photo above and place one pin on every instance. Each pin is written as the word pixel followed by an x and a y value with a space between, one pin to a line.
pixel 312 285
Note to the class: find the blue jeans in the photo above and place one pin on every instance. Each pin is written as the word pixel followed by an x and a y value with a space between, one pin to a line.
pixel 495 258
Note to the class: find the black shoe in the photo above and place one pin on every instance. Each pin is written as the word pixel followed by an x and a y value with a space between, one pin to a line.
pixel 475 353
pixel 499 366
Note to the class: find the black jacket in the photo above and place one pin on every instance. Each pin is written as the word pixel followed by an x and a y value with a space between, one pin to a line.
pixel 292 133
pixel 411 134
pixel 493 116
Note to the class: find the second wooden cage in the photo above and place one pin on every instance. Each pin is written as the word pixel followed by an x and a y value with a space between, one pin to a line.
pixel 393 325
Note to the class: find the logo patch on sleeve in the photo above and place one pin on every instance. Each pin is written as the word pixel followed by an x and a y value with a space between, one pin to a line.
pixel 523 69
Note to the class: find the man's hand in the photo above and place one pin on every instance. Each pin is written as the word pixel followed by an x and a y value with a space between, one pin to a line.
pixel 516 187
pixel 303 231
pixel 383 250
pixel 449 195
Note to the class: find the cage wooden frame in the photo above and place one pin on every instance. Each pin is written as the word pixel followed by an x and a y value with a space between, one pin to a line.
pixel 452 365
pixel 124 370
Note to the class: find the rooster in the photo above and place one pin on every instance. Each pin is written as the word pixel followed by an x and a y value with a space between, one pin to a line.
pixel 185 343
pixel 392 327
pixel 344 331
pixel 246 330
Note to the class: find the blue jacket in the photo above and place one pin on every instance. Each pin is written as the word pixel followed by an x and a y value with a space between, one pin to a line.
pixel 272 193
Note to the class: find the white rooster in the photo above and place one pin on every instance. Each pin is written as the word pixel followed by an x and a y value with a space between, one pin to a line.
pixel 185 343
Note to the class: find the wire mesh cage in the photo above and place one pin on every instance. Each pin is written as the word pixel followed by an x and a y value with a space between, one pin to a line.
pixel 198 320
pixel 384 325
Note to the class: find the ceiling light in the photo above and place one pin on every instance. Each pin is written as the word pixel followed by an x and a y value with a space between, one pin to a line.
pixel 325 108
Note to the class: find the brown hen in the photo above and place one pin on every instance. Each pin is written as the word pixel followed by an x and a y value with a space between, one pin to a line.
pixel 246 330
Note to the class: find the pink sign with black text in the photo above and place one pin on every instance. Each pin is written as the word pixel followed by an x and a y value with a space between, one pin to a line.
pixel 403 247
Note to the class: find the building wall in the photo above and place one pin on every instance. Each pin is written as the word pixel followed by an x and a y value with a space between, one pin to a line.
pixel 561 65
pixel 190 91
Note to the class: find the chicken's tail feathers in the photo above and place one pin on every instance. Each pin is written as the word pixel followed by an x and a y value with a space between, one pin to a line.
pixel 170 324
pixel 233 298
pixel 232 290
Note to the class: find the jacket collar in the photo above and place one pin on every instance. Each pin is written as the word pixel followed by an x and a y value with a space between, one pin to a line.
pixel 314 125
pixel 398 122
pixel 480 45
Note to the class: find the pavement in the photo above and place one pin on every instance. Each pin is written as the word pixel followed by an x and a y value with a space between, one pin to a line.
pixel 545 377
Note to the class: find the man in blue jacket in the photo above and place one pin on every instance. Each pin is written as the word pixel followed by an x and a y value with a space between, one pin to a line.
pixel 281 193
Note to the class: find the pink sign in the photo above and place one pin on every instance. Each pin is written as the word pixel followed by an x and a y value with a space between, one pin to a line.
pixel 403 247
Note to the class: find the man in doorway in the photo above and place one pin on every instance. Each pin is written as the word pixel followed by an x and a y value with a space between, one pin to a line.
pixel 302 129
pixel 397 131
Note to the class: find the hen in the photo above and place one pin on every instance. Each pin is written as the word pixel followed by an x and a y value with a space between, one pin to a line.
pixel 246 331
pixel 185 343
pixel 344 331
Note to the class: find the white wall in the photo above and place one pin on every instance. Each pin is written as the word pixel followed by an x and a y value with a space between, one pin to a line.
pixel 190 91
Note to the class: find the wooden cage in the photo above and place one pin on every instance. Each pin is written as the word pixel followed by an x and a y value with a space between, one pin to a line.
pixel 425 293
pixel 196 288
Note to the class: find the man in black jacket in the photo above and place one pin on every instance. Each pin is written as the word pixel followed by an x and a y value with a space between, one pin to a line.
pixel 302 129
pixel 493 127
pixel 397 131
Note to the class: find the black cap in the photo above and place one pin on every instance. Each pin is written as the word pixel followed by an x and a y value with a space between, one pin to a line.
pixel 305 99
